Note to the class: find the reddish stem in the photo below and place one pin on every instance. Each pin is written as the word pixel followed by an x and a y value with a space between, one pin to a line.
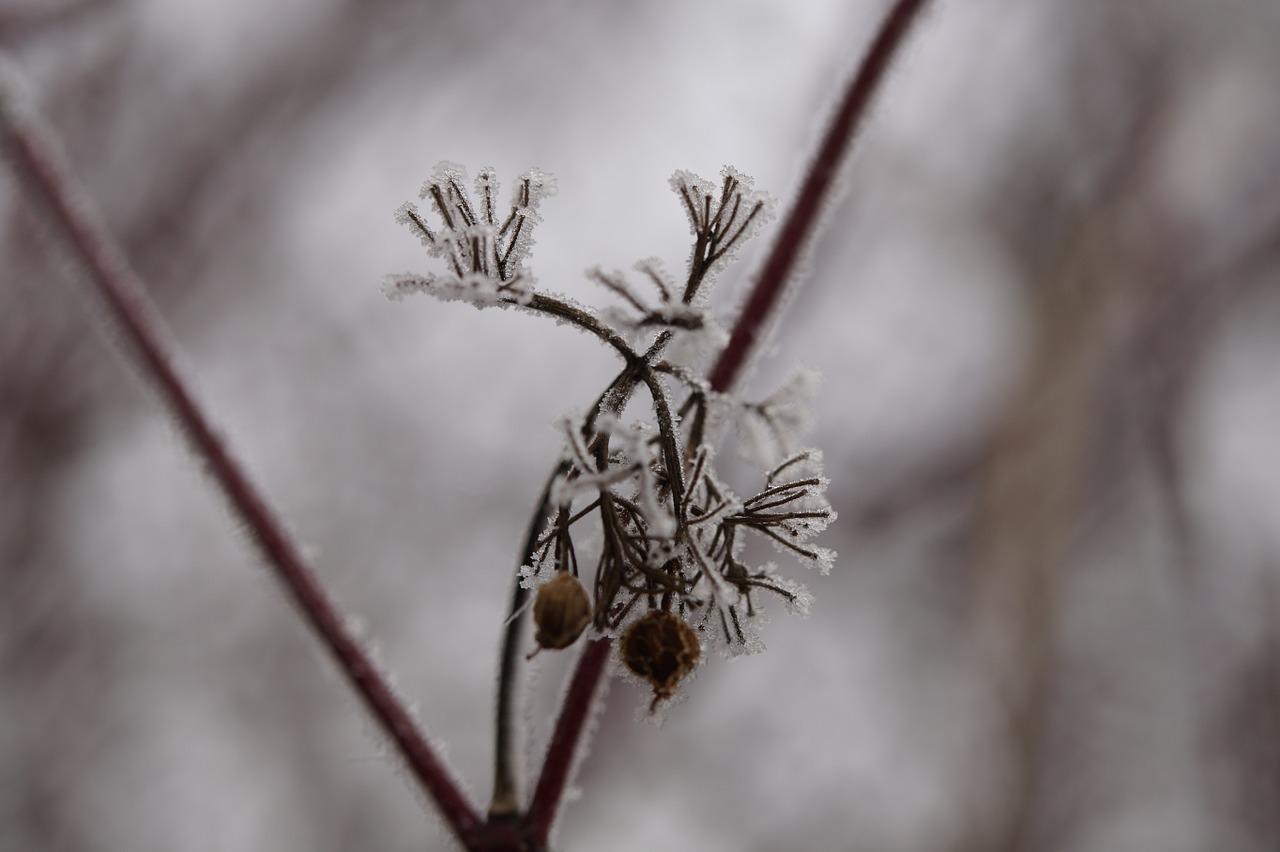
pixel 36 157
pixel 787 247
pixel 814 193
pixel 566 737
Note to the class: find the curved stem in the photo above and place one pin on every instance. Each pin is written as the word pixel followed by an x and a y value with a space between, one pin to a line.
pixel 815 193
pixel 36 157
pixel 506 793
pixel 670 446
pixel 542 303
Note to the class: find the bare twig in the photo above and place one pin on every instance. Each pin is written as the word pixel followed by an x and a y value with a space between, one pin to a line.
pixel 506 793
pixel 36 157
pixel 815 193
pixel 566 737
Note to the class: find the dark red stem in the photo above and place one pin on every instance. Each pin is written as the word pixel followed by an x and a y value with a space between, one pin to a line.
pixel 785 251
pixel 566 737
pixel 815 192
pixel 36 158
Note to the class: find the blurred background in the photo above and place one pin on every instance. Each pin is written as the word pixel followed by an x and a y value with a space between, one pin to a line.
pixel 1046 312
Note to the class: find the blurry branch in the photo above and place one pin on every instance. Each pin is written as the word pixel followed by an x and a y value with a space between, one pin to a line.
pixel 24 22
pixel 1174 334
pixel 1236 707
pixel 793 237
pixel 1047 457
pixel 285 92
pixel 1032 491
pixel 1247 733
pixel 245 118
pixel 1210 267
pixel 36 158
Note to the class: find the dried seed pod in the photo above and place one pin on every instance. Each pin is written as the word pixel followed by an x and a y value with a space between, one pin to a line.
pixel 561 611
pixel 662 649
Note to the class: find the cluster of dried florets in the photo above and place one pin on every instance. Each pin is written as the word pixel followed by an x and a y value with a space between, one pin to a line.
pixel 484 253
pixel 642 503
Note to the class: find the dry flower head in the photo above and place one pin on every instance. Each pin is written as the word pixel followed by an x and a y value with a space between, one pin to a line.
pixel 669 567
pixel 662 649
pixel 561 611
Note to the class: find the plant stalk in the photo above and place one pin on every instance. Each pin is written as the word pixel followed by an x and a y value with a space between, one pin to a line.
pixel 36 157
pixel 816 193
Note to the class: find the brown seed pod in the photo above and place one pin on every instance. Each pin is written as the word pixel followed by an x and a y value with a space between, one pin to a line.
pixel 561 611
pixel 662 649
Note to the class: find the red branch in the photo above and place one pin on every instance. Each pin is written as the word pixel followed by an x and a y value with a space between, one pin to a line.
pixel 565 739
pixel 787 247
pixel 815 193
pixel 36 157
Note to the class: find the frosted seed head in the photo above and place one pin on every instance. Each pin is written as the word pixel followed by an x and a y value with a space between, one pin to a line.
pixel 722 217
pixel 748 223
pixel 696 195
pixel 662 649
pixel 483 250
pixel 561 611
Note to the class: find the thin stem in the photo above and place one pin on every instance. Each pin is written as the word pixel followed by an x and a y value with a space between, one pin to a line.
pixel 784 253
pixel 506 793
pixel 798 227
pixel 670 450
pixel 543 303
pixel 36 157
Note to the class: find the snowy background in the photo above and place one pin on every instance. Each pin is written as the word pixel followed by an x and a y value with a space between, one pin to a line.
pixel 1048 318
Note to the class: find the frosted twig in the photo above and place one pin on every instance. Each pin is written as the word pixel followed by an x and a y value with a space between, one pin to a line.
pixel 36 157
pixel 798 225
pixel 565 739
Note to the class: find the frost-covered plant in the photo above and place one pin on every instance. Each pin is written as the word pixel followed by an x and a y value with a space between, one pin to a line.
pixel 670 569
pixel 667 534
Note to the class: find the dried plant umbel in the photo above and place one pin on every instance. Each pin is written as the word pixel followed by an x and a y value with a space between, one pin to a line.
pixel 669 553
